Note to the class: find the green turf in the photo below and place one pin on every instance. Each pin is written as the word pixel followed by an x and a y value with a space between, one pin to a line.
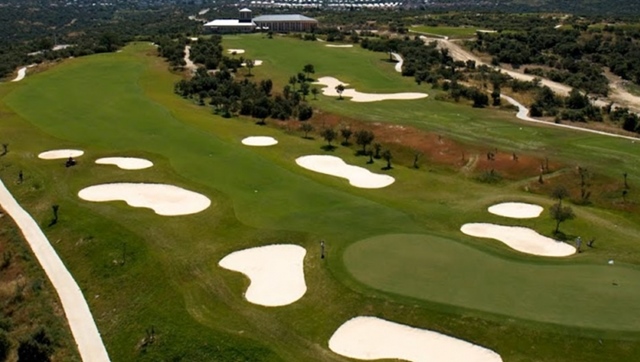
pixel 441 270
pixel 448 31
pixel 122 104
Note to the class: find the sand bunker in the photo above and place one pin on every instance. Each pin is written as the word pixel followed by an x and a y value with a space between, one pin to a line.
pixel 60 154
pixel 126 163
pixel 237 51
pixel 331 83
pixel 335 166
pixel 519 238
pixel 22 72
pixel 399 63
pixel 259 141
pixel 256 63
pixel 371 338
pixel 339 45
pixel 276 273
pixel 516 210
pixel 166 200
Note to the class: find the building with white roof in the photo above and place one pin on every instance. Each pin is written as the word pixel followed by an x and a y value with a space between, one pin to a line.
pixel 277 22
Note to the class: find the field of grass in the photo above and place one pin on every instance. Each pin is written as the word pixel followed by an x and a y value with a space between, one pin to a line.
pixel 122 105
pixel 448 31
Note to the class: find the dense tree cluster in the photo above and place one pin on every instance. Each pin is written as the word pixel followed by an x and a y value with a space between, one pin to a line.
pixel 572 56
pixel 217 85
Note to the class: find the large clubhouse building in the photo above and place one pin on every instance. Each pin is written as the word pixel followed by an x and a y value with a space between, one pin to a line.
pixel 280 23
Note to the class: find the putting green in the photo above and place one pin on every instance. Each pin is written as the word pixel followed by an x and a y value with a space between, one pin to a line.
pixel 444 271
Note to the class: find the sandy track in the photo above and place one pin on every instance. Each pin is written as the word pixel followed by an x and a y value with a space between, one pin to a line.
pixel 187 58
pixel 259 141
pixel 125 163
pixel 619 95
pixel 523 114
pixel 83 327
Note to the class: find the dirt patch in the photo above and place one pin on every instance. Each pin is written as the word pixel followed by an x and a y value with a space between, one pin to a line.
pixel 435 150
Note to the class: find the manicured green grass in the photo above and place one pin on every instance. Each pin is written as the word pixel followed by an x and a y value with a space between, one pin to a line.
pixel 459 275
pixel 448 31
pixel 122 105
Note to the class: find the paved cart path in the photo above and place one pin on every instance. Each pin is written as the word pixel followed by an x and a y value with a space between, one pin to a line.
pixel 83 327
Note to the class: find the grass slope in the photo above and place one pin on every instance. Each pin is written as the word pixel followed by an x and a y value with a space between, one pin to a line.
pixel 579 295
pixel 171 280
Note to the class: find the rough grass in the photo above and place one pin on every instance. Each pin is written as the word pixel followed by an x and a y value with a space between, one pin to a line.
pixel 448 31
pixel 171 280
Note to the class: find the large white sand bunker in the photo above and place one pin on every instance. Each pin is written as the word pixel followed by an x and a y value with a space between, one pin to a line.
pixel 126 163
pixel 276 273
pixel 335 166
pixel 371 338
pixel 166 200
pixel 236 51
pixel 331 83
pixel 516 210
pixel 339 45
pixel 519 238
pixel 60 154
pixel 259 141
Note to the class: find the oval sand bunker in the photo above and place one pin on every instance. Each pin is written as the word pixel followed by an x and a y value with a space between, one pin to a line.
pixel 520 238
pixel 371 338
pixel 60 154
pixel 126 163
pixel 335 166
pixel 516 210
pixel 259 141
pixel 276 273
pixel 331 83
pixel 166 200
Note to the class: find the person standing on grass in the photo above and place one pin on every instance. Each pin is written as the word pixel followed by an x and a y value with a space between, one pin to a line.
pixel 578 243
pixel 321 249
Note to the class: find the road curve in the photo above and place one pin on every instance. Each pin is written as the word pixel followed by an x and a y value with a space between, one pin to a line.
pixel 83 327
pixel 523 114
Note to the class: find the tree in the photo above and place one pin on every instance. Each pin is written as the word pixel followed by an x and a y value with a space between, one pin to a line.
pixel 364 138
pixel 340 89
pixel 260 113
pixel 37 348
pixel 495 95
pixel 559 192
pixel 346 133
pixel 5 345
pixel 377 147
pixel 293 80
pixel 308 69
pixel 249 63
pixel 266 86
pixel 560 214
pixel 315 92
pixel 387 157
pixel 304 89
pixel 306 128
pixel 304 112
pixel 329 134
